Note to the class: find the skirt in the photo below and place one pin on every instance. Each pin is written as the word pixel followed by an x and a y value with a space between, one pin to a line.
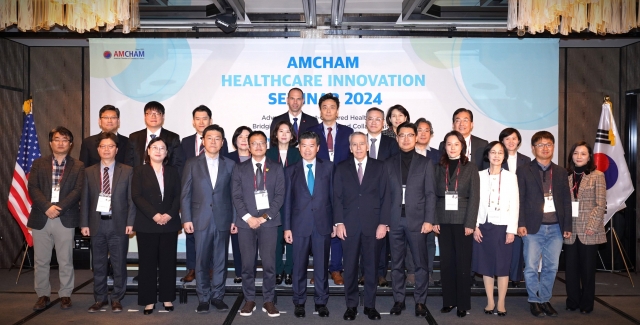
pixel 492 257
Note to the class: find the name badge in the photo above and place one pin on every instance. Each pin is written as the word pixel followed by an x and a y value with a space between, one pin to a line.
pixel 104 203
pixel 493 212
pixel 575 208
pixel 548 204
pixel 404 189
pixel 331 153
pixel 262 200
pixel 55 194
pixel 451 200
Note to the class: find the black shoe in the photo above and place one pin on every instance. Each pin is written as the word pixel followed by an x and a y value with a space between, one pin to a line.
pixel 421 310
pixel 461 313
pixel 219 304
pixel 279 279
pixel 570 309
pixel 168 308
pixel 488 312
pixel 515 284
pixel 447 309
pixel 299 311
pixel 586 311
pixel 237 279
pixel 322 310
pixel 372 313
pixel 149 311
pixel 536 309
pixel 288 280
pixel 397 308
pixel 502 313
pixel 548 309
pixel 203 308
pixel 350 313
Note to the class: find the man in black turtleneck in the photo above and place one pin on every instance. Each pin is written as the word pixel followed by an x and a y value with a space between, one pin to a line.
pixel 411 208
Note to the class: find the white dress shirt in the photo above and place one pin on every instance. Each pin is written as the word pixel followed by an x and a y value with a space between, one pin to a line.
pixel 468 141
pixel 377 144
pixel 255 169
pixel 212 165
pixel 364 164
pixel 149 133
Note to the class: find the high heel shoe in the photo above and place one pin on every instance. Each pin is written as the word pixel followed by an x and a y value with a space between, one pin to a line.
pixel 149 311
pixel 168 308
pixel 488 312
pixel 502 313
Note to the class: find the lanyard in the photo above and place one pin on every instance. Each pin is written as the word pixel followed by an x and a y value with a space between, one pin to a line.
pixel 264 174
pixel 575 188
pixel 550 180
pixel 446 178
pixel 499 185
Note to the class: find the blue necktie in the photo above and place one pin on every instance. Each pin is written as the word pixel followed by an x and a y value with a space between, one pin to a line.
pixel 295 126
pixel 310 180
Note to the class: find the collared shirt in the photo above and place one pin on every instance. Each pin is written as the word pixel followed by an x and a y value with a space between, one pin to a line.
pixel 334 130
pixel 377 143
pixel 58 171
pixel 299 117
pixel 212 165
pixel 363 162
pixel 198 142
pixel 255 170
pixel 423 152
pixel 149 133
pixel 110 172
pixel 543 167
pixel 468 141
pixel 306 169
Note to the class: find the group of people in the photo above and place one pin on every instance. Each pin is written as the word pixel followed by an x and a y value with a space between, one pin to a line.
pixel 350 199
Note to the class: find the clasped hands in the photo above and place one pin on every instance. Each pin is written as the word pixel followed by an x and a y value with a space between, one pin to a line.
pixel 255 222
pixel 161 219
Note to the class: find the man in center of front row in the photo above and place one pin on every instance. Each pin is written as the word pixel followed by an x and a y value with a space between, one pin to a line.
pixel 359 194
pixel 258 193
pixel 207 213
pixel 308 222
pixel 411 207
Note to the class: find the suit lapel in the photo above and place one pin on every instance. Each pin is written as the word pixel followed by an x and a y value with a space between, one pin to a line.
pixel 97 176
pixel 67 170
pixel 536 175
pixel 317 176
pixel 117 170
pixel 205 168
pixel 354 172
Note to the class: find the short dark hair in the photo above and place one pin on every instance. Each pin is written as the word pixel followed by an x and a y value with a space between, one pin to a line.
pixel 62 131
pixel 260 133
pixel 509 131
pixel 329 96
pixel 154 106
pixel 461 110
pixel 374 109
pixel 571 166
pixel 296 88
pixel 273 140
pixel 236 134
pixel 105 136
pixel 444 159
pixel 109 108
pixel 310 135
pixel 487 149
pixel 424 120
pixel 401 109
pixel 201 108
pixel 147 158
pixel 542 135
pixel 408 125
pixel 213 127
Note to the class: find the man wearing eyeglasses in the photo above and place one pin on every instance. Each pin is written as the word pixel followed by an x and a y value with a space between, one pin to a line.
pixel 107 215
pixel 109 121
pixel 138 141
pixel 463 123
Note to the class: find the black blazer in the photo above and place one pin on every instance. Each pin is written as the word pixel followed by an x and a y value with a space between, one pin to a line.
pixel 293 155
pixel 532 197
pixel 189 147
pixel 388 147
pixel 468 196
pixel 138 151
pixel 306 121
pixel 40 192
pixel 145 192
pixel 477 148
pixel 89 150
pixel 521 160
pixel 234 156
pixel 434 154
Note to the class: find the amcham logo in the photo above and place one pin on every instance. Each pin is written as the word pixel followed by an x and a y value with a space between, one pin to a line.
pixel 135 54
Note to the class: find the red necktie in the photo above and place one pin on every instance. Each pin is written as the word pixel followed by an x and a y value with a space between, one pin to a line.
pixel 330 140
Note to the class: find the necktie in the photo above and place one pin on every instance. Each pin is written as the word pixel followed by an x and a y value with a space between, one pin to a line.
pixel 310 180
pixel 259 177
pixel 360 173
pixel 373 153
pixel 152 136
pixel 106 187
pixel 295 126
pixel 330 140
pixel 201 149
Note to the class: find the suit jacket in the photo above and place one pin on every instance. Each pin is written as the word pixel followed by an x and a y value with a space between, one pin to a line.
pixel 359 206
pixel 434 154
pixel 468 196
pixel 304 123
pixel 420 198
pixel 592 196
pixel 521 160
pixel 145 192
pixel 341 147
pixel 40 185
pixel 89 150
pixel 202 201
pixel 138 150
pixel 293 155
pixel 301 209
pixel 123 210
pixel 189 147
pixel 532 197
pixel 388 147
pixel 243 188
pixel 477 148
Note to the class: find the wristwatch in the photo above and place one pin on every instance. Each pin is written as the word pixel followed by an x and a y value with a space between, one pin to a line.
pixel 266 216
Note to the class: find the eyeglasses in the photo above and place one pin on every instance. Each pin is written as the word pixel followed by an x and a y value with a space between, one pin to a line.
pixel 258 144
pixel 107 146
pixel 544 145
pixel 158 149
pixel 153 114
pixel 406 135
pixel 112 118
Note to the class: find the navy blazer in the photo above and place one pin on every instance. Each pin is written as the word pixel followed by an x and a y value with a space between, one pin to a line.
pixel 189 147
pixel 434 155
pixel 243 189
pixel 532 197
pixel 477 148
pixel 359 206
pixel 146 195
pixel 203 202
pixel 301 209
pixel 304 123
pixel 341 147
pixel 388 147
pixel 89 150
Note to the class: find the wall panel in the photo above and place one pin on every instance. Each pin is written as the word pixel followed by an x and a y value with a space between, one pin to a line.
pixel 12 64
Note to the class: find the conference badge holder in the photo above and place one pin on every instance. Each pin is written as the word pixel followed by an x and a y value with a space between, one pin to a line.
pixel 404 189
pixel 331 153
pixel 548 203
pixel 494 212
pixel 104 203
pixel 55 194
pixel 262 200
pixel 575 208
pixel 451 200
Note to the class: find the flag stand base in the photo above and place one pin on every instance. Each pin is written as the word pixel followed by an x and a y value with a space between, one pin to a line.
pixel 623 254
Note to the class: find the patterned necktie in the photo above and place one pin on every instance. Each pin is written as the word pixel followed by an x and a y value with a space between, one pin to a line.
pixel 310 180
pixel 152 136
pixel 360 173
pixel 106 187
pixel 330 140
pixel 201 149
pixel 373 153
pixel 259 177
pixel 295 126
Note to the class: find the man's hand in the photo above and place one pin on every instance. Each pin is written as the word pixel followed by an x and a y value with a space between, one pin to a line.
pixel 567 234
pixel 333 234
pixel 188 227
pixel 436 229
pixel 129 230
pixel 381 231
pixel 522 231
pixel 340 231
pixel 85 231
pixel 477 235
pixel 288 237
pixel 426 228
pixel 234 229
pixel 254 222
pixel 509 239
pixel 468 231
pixel 53 212
pixel 166 218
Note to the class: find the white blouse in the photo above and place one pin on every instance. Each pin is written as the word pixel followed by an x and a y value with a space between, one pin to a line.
pixel 499 192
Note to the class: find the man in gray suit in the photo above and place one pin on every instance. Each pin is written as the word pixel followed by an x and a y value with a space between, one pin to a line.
pixel 107 214
pixel 258 194
pixel 207 212
pixel 412 208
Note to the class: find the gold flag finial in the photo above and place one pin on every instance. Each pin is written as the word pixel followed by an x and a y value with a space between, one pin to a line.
pixel 607 100
pixel 27 106
pixel 612 137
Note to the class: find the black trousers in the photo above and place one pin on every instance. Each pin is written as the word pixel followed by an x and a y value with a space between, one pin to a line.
pixel 157 260
pixel 580 274
pixel 455 266
pixel 368 248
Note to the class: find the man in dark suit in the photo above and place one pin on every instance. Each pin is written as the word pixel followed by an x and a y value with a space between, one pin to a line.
pixel 300 121
pixel 153 119
pixel 334 146
pixel 545 219
pixel 193 146
pixel 258 189
pixel 55 185
pixel 109 121
pixel 107 215
pixel 463 123
pixel 207 214
pixel 358 196
pixel 411 205
pixel 308 222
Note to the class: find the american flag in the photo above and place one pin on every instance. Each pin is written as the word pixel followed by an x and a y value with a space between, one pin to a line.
pixel 19 200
